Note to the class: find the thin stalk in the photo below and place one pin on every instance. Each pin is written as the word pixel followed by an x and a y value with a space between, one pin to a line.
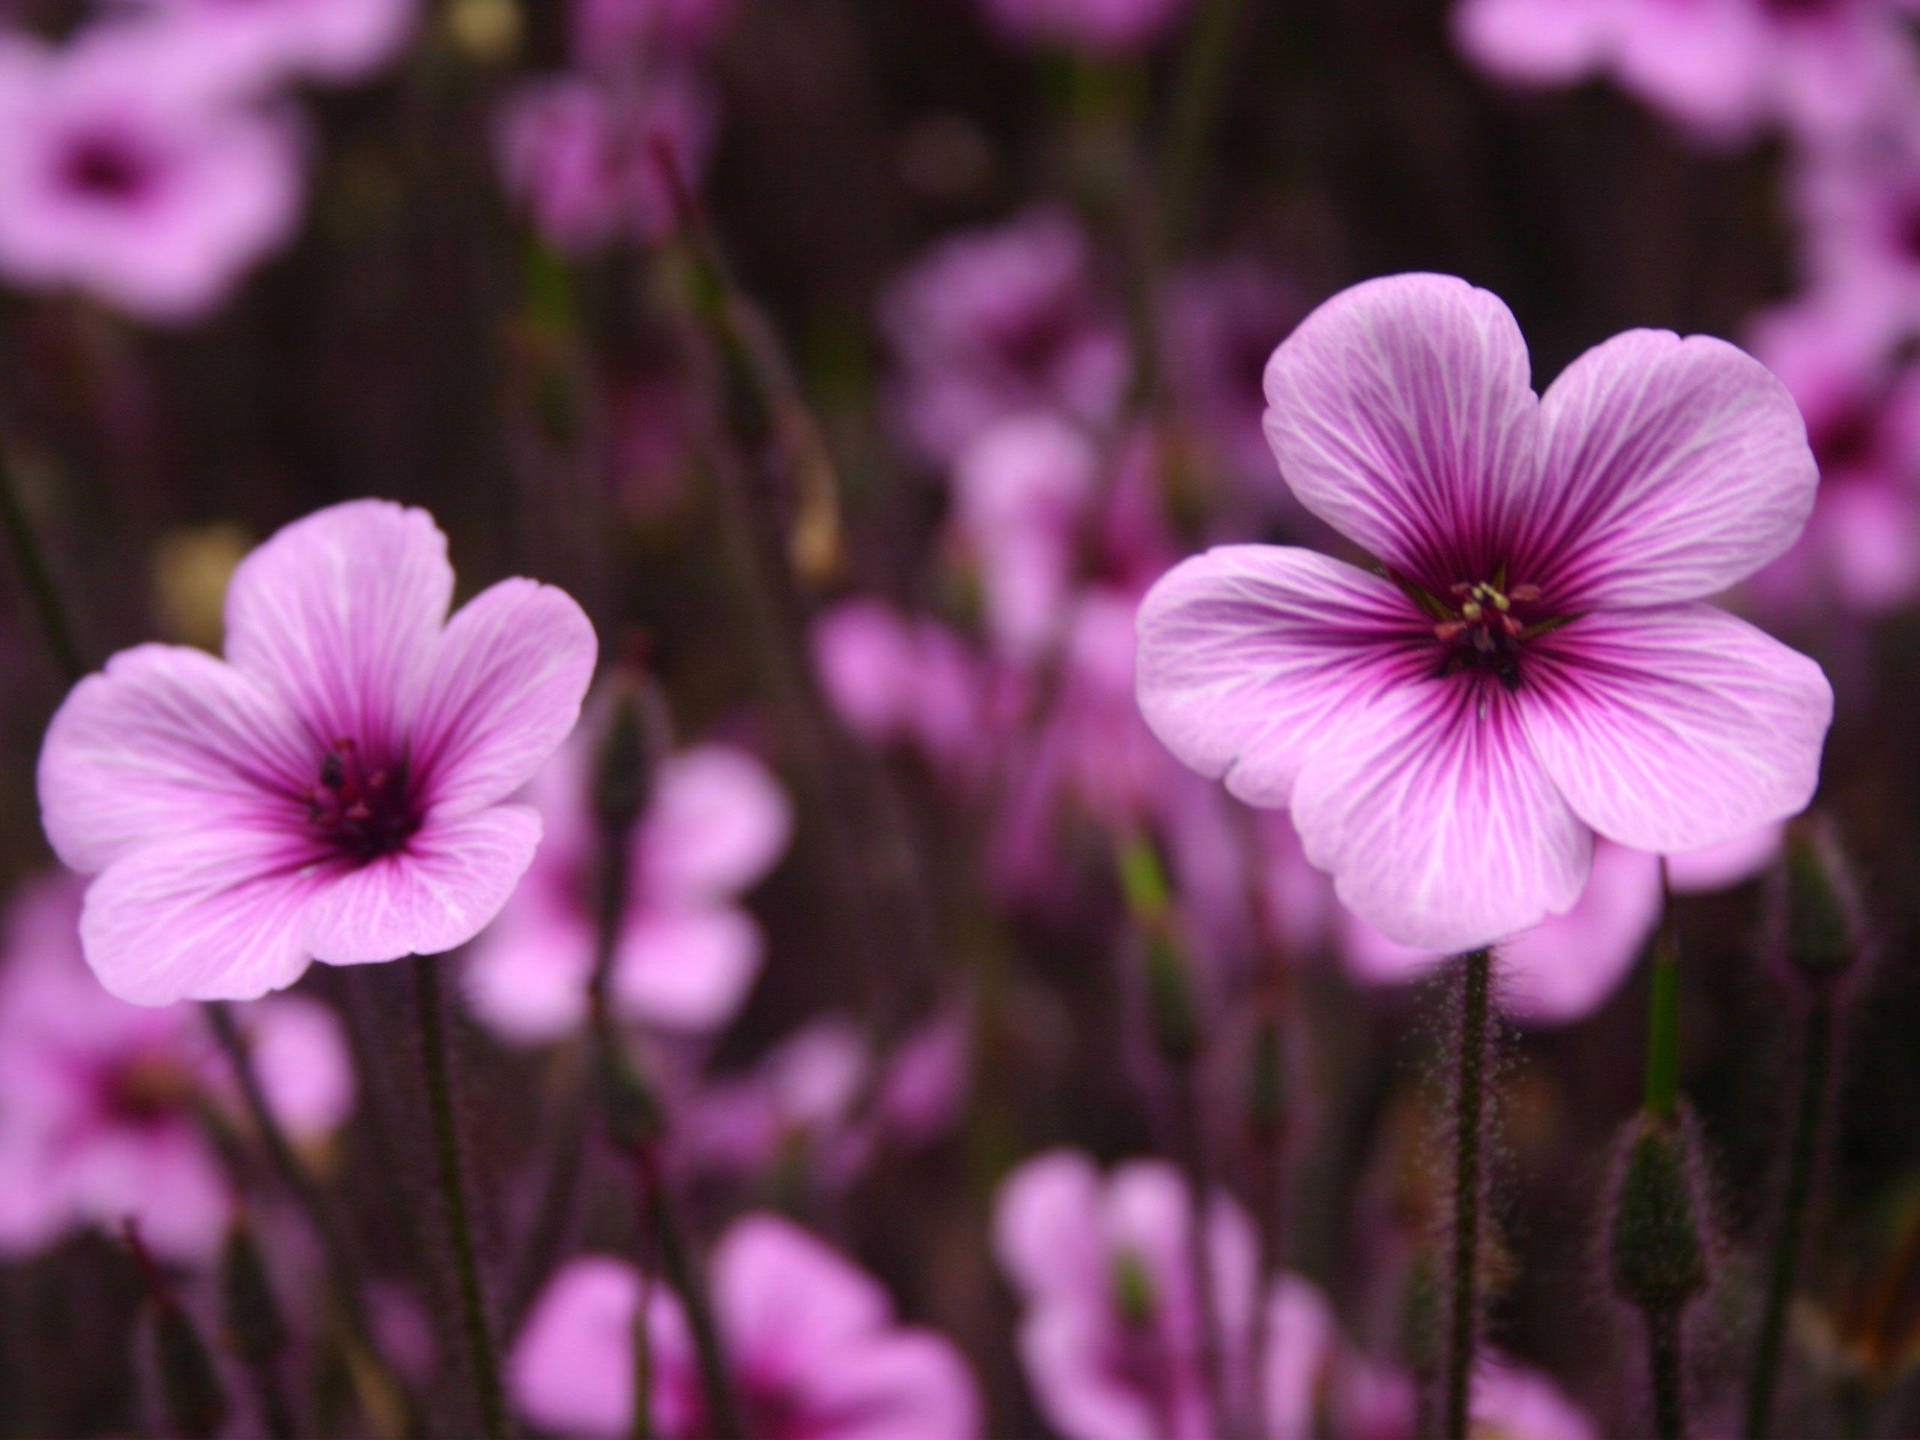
pixel 1663 1016
pixel 1470 1104
pixel 688 1281
pixel 31 556
pixel 437 1068
pixel 1197 1162
pixel 1198 88
pixel 1816 1064
pixel 1665 1364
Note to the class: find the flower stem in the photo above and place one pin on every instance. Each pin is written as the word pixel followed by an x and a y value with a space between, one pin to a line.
pixel 1469 1135
pixel 690 1283
pixel 1198 88
pixel 31 556
pixel 1663 1017
pixel 1816 1064
pixel 1665 1355
pixel 446 1134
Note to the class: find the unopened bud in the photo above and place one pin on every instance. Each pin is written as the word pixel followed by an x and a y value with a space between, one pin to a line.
pixel 637 739
pixel 1821 924
pixel 1657 1235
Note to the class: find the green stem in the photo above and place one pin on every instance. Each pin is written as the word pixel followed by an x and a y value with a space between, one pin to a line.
pixel 1469 1136
pixel 1663 1017
pixel 446 1134
pixel 31 556
pixel 1665 1357
pixel 1816 1064
pixel 1196 101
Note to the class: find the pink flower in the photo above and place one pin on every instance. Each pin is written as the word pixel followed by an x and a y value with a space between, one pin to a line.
pixel 612 33
pixel 99 1114
pixel 334 789
pixel 1719 66
pixel 583 158
pixel 812 1342
pixel 999 322
pixel 129 169
pixel 1096 27
pixel 1534 667
pixel 1110 1335
pixel 334 40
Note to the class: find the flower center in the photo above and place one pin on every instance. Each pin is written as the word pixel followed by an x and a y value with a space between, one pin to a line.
pixel 1484 627
pixel 106 167
pixel 149 1088
pixel 363 811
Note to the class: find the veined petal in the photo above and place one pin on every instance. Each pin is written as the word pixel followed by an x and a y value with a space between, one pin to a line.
pixel 166 738
pixel 1677 728
pixel 436 893
pixel 1247 652
pixel 503 689
pixel 1439 826
pixel 337 612
pixel 1670 469
pixel 211 914
pixel 1402 414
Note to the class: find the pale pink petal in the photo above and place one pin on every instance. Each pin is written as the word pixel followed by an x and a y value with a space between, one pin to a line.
pixel 302 1060
pixel 1046 1221
pixel 164 738
pixel 785 1299
pixel 1532 42
pixel 1720 867
pixel 1066 1351
pixel 1248 652
pixel 1510 1400
pixel 571 1369
pixel 1677 728
pixel 1402 415
pixel 717 823
pixel 435 894
pixel 1301 1344
pixel 1439 826
pixel 340 610
pixel 526 975
pixel 168 1180
pixel 897 1385
pixel 1670 470
pixel 687 969
pixel 213 914
pixel 502 691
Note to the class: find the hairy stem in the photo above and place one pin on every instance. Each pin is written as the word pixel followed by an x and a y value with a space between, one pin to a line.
pixel 1470 1099
pixel 37 574
pixel 1665 1357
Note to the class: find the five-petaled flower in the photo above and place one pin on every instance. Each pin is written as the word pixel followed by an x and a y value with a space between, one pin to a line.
pixel 331 790
pixel 1529 666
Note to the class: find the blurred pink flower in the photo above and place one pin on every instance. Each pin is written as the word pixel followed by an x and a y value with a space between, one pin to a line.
pixel 998 322
pixel 617 33
pixel 130 169
pixel 99 1099
pixel 814 1348
pixel 1721 67
pixel 584 158
pixel 688 951
pixel 335 788
pixel 1094 27
pixel 1110 1335
pixel 1537 668
pixel 340 41
pixel 1861 547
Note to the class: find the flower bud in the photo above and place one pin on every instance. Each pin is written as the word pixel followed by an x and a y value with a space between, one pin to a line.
pixel 1821 925
pixel 1657 1240
pixel 637 738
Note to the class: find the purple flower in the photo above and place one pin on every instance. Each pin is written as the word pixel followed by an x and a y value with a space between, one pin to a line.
pixel 812 1342
pixel 129 169
pixel 1721 67
pixel 334 40
pixel 614 33
pixel 999 322
pixel 688 952
pixel 99 1100
pixel 334 789
pixel 1095 27
pixel 1533 667
pixel 1110 1335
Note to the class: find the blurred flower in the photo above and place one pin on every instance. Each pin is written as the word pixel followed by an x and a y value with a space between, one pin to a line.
pixel 100 1100
pixel 130 169
pixel 332 790
pixel 334 40
pixel 1861 547
pixel 1111 1334
pixel 811 1340
pixel 1721 67
pixel 998 322
pixel 1531 670
pixel 585 159
pixel 614 33
pixel 1095 27
pixel 688 951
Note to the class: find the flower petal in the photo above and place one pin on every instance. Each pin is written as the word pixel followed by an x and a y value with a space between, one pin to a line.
pixel 336 613
pixel 1046 1229
pixel 1670 470
pixel 785 1299
pixel 1401 414
pixel 1246 652
pixel 165 737
pixel 717 823
pixel 438 893
pixel 526 976
pixel 1677 728
pixel 897 1385
pixel 212 914
pixel 687 969
pixel 1439 827
pixel 502 692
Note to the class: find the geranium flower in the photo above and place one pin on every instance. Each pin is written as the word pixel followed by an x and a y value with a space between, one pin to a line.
pixel 129 169
pixel 333 40
pixel 1528 666
pixel 812 1343
pixel 331 790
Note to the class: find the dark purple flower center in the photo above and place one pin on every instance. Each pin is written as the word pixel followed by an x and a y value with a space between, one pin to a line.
pixel 108 166
pixel 1845 440
pixel 363 810
pixel 149 1088
pixel 1483 627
